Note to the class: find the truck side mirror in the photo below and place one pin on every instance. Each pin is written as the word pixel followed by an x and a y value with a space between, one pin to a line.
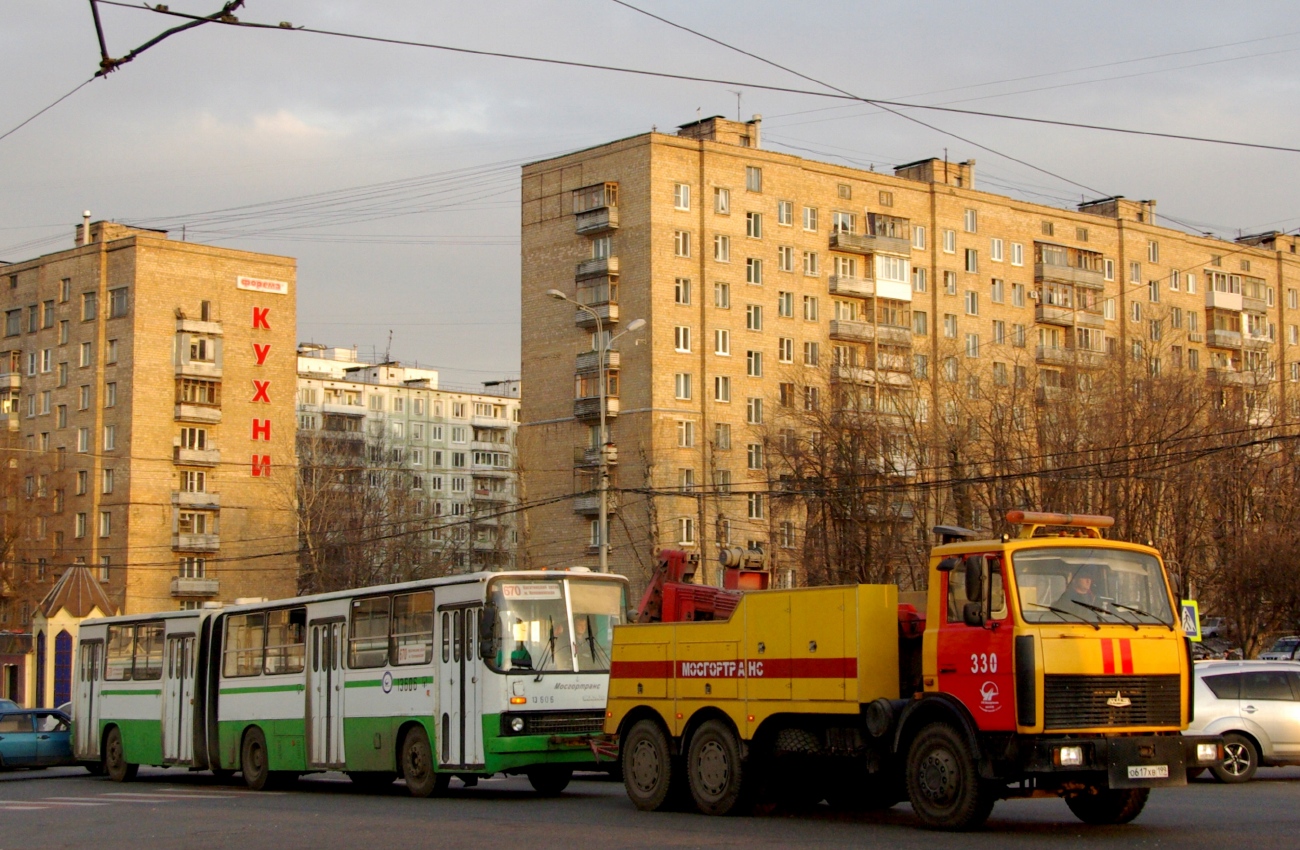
pixel 972 614
pixel 975 577
pixel 487 631
pixel 947 565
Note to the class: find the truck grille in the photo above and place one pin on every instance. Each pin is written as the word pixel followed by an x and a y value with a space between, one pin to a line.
pixel 1078 702
pixel 558 723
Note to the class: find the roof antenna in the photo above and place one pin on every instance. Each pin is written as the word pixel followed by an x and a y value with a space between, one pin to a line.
pixel 389 350
pixel 737 94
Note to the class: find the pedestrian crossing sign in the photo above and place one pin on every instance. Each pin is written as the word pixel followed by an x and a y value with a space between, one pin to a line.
pixel 1191 615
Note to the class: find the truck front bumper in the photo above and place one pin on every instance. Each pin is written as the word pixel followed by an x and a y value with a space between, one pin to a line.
pixel 1139 761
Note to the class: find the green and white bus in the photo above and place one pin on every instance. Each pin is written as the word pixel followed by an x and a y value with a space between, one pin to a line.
pixel 467 676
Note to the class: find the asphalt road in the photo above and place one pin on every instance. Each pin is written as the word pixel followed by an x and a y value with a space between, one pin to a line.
pixel 173 809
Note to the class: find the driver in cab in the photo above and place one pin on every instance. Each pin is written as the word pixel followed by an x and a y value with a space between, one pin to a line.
pixel 1079 596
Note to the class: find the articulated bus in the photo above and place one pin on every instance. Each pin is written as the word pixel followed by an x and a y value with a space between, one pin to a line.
pixel 466 676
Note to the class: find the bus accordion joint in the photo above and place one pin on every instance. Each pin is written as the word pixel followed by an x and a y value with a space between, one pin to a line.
pixel 1030 522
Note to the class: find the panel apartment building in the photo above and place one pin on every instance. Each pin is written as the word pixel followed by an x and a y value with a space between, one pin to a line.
pixel 444 459
pixel 147 388
pixel 767 280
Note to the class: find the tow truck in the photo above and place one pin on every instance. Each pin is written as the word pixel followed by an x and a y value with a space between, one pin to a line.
pixel 1045 664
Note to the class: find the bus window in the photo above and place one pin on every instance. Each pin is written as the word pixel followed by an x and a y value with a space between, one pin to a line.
pixel 286 635
pixel 369 638
pixel 315 650
pixel 245 637
pixel 446 637
pixel 148 651
pixel 455 635
pixel 117 656
pixel 413 628
pixel 469 633
pixel 598 606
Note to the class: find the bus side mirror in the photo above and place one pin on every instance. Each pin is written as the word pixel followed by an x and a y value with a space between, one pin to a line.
pixel 487 632
pixel 974 577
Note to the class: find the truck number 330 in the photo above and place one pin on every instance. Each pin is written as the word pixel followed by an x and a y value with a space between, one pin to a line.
pixel 983 662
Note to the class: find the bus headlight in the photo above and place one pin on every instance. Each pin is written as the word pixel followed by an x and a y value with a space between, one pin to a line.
pixel 1069 756
pixel 1207 752
pixel 516 724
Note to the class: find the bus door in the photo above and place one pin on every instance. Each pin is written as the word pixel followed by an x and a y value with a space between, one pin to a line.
pixel 91 657
pixel 178 699
pixel 460 726
pixel 325 694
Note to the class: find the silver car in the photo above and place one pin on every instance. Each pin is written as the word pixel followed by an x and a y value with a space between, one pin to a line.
pixel 1283 649
pixel 1255 706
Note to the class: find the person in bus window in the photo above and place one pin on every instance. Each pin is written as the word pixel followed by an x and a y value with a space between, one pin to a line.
pixel 1079 594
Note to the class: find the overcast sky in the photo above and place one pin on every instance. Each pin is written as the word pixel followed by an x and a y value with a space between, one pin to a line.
pixel 222 117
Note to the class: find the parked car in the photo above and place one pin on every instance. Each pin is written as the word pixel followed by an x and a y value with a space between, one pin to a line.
pixel 35 738
pixel 1255 706
pixel 9 705
pixel 1213 627
pixel 1283 649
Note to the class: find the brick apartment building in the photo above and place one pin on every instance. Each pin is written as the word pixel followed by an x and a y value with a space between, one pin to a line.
pixel 147 388
pixel 769 281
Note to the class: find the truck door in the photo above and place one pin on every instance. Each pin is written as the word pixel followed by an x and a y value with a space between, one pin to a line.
pixel 86 709
pixel 975 663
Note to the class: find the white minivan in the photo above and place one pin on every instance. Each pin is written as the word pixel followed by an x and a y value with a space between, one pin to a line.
pixel 1255 706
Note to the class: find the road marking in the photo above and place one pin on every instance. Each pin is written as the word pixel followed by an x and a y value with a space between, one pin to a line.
pixel 17 807
pixel 71 801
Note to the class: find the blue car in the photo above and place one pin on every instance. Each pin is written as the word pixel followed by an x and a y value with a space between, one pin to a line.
pixel 35 739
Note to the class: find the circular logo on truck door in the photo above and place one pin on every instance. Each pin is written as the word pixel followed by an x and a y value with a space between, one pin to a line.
pixel 989 697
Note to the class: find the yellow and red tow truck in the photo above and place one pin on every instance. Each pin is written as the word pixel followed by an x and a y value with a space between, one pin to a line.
pixel 1050 663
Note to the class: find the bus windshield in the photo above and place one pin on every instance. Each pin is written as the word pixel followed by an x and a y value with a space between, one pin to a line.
pixel 1091 585
pixel 562 624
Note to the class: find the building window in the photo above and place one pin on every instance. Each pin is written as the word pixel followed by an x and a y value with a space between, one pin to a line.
pixel 722 201
pixel 950 241
pixel 754 364
pixel 970 221
pixel 754 225
pixel 810 219
pixel 79 526
pixel 89 306
pixel 950 325
pixel 722 436
pixel 785 350
pixel 785 305
pixel 722 295
pixel 753 178
pixel 920 320
pixel 721 388
pixel 785 213
pixel 811 354
pixel 1153 251
pixel 754 271
pixel 754 455
pixel 85 353
pixel 682 339
pixel 681 243
pixel 83 439
pixel 1049 229
pixel 920 367
pixel 686 531
pixel 110 437
pixel 999 332
pixel 117 303
pixel 997 291
pixel 972 345
pixel 755 505
pixel 972 303
pixel 722 342
pixel 682 385
pixel 753 317
pixel 722 248
pixel 995 250
pixel 754 411
pixel 681 196
pixel 811 398
pixel 810 308
pixel 105 523
pixel 972 260
pixel 950 283
pixel 810 263
pixel 682 290
pixel 685 433
pixel 919 281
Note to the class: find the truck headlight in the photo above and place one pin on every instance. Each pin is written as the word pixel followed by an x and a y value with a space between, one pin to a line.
pixel 1069 756
pixel 516 724
pixel 1207 752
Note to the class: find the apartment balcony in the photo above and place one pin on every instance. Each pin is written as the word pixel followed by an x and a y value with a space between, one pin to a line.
pixel 196 457
pixel 867 244
pixel 892 335
pixel 852 287
pixel 586 456
pixel 1253 305
pixel 1216 338
pixel 194 326
pixel 607 311
pixel 489 496
pixel 885 375
pixel 490 422
pixel 488 446
pixel 1052 273
pixel 1223 300
pixel 1045 395
pixel 1050 314
pixel 198 413
pixel 596 267
pixel 197 369
pixel 196 542
pixel 847 330
pixel 343 409
pixel 10 380
pixel 484 470
pixel 1228 375
pixel 597 221
pixel 195 586
pixel 589 408
pixel 200 501
pixel 588 504
pixel 1256 342
pixel 589 361
pixel 1089 319
pixel 13 419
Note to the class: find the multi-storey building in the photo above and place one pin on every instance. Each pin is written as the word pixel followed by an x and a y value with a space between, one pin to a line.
pixel 772 282
pixel 147 389
pixel 442 462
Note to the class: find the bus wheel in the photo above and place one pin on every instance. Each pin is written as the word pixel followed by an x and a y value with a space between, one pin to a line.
pixel 943 781
pixel 714 769
pixel 1107 806
pixel 372 780
pixel 647 763
pixel 115 763
pixel 418 768
pixel 550 781
pixel 254 760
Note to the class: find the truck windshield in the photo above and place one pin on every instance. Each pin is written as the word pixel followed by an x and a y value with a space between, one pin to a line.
pixel 556 625
pixel 1101 585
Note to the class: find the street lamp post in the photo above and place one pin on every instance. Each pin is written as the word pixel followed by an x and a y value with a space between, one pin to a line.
pixel 602 482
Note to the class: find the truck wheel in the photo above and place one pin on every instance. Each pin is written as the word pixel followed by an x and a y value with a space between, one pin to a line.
pixel 550 781
pixel 1106 807
pixel 714 769
pixel 115 763
pixel 1240 759
pixel 417 766
pixel 647 763
pixel 943 781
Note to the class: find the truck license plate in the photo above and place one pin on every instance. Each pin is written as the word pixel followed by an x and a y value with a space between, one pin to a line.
pixel 1148 771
